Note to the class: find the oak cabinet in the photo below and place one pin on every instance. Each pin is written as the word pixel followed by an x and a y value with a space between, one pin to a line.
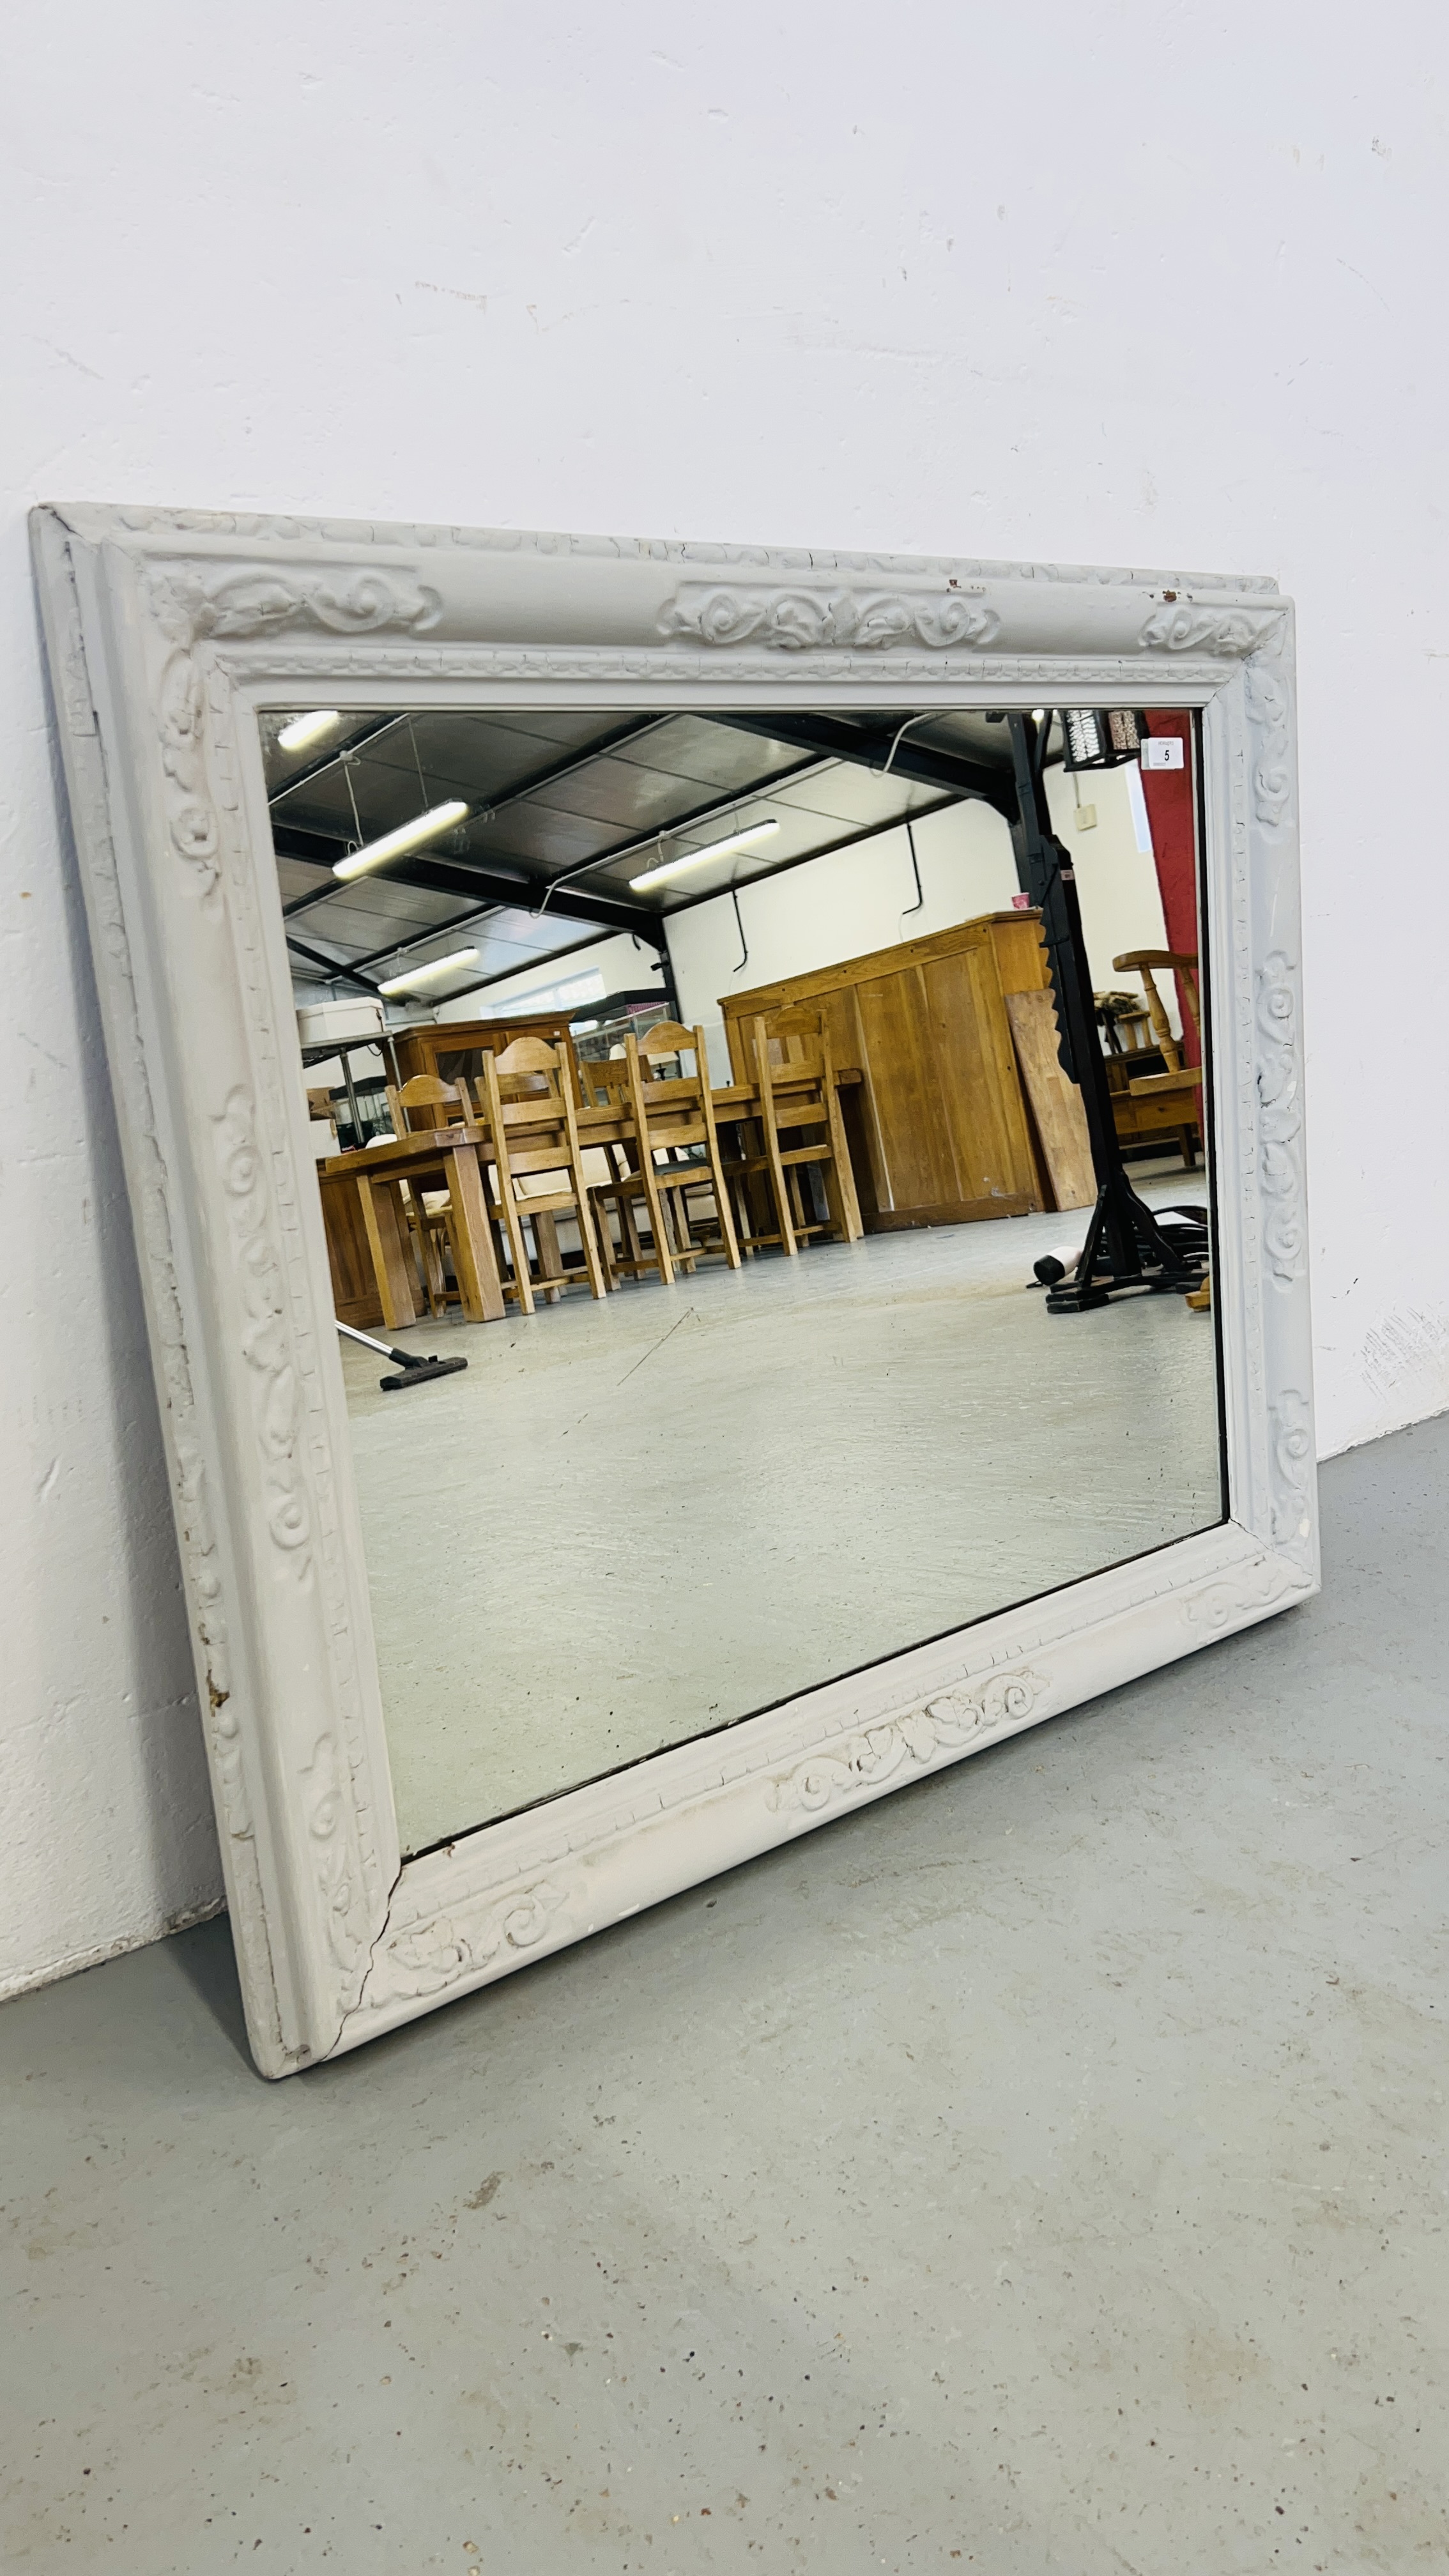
pixel 939 1128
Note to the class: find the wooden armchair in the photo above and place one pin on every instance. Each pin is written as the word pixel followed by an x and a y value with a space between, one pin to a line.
pixel 1172 1101
pixel 1141 961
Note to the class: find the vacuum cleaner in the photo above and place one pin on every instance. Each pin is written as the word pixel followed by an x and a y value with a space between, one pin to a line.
pixel 410 1370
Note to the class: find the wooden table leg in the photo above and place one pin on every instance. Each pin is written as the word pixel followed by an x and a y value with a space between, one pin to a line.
pixel 477 1263
pixel 390 1262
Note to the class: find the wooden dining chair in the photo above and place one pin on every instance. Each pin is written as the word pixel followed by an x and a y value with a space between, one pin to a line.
pixel 796 1128
pixel 431 1218
pixel 674 1153
pixel 604 1084
pixel 426 1091
pixel 528 1105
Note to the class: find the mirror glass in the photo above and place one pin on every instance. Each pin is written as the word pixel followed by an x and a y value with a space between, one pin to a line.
pixel 785 1131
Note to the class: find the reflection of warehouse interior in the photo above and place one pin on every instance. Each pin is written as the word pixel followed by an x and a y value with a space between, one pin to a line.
pixel 507 931
pixel 594 872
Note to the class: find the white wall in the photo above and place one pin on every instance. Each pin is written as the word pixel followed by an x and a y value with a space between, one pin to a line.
pixel 841 906
pixel 1117 887
pixel 1150 285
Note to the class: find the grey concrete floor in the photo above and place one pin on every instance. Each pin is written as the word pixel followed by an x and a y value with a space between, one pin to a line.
pixel 1043 2170
pixel 635 1519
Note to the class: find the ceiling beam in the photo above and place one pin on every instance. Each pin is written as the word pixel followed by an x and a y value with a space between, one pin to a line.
pixel 639 842
pixel 471 915
pixel 923 764
pixel 827 850
pixel 332 969
pixel 478 886
pixel 539 891
pixel 607 743
pixel 326 760
pixel 546 777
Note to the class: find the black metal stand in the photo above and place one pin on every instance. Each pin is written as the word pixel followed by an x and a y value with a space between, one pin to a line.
pixel 1126 1252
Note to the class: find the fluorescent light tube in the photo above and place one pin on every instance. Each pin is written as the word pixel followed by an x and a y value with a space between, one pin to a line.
pixel 409 836
pixel 435 966
pixel 304 730
pixel 696 858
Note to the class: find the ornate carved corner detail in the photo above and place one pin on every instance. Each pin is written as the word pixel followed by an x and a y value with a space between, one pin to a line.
pixel 276 1401
pixel 1280 1121
pixel 952 1723
pixel 189 605
pixel 803 621
pixel 424 1956
pixel 1232 632
pixel 1291 1455
pixel 337 1866
pixel 1232 1598
pixel 1266 699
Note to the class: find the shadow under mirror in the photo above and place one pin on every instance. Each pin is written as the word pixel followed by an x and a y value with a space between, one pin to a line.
pixel 795 1122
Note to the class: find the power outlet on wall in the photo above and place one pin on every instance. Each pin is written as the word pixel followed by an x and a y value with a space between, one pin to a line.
pixel 1086 818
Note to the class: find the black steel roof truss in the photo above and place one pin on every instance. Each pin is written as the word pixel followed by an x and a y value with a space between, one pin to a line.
pixel 295 843
pixel 718 805
pixel 447 876
pixel 827 850
pixel 334 759
pixel 332 969
pixel 922 763
pixel 600 750
pixel 486 888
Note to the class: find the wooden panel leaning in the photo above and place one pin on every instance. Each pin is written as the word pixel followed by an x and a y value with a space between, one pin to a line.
pixel 797 1128
pixel 1055 1102
pixel 532 1120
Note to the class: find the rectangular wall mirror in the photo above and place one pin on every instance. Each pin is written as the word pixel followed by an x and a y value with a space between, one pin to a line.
pixel 716 1151
pixel 846 1431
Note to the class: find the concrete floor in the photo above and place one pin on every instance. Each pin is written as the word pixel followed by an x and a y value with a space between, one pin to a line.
pixel 634 1520
pixel 1042 2171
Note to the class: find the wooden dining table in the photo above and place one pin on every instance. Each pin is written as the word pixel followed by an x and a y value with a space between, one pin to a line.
pixel 453 1158
pixel 437 1158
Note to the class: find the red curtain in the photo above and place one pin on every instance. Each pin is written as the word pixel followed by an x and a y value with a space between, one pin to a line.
pixel 1170 812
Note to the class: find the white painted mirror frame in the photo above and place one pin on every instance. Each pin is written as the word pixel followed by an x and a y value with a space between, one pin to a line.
pixel 166 631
